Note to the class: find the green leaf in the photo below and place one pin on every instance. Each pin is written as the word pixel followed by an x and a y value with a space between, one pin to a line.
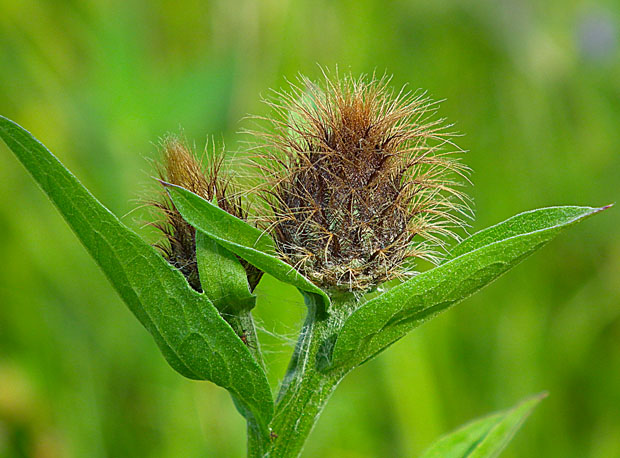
pixel 485 437
pixel 222 277
pixel 237 236
pixel 188 329
pixel 530 221
pixel 483 257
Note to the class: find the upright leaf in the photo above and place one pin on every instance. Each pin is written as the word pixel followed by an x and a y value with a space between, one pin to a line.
pixel 188 329
pixel 237 236
pixel 386 318
pixel 222 277
pixel 224 281
pixel 485 437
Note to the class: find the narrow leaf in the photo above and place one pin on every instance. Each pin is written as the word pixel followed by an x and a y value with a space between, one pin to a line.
pixel 485 437
pixel 188 329
pixel 237 236
pixel 386 318
pixel 222 277
pixel 530 221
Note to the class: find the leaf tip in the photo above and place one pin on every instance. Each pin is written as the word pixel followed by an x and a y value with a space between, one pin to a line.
pixel 531 402
pixel 540 396
pixel 165 184
pixel 171 188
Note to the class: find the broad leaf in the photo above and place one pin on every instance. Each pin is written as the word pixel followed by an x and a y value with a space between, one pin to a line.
pixel 237 236
pixel 188 329
pixel 222 277
pixel 485 437
pixel 487 255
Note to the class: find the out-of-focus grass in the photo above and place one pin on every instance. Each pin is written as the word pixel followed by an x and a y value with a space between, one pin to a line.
pixel 534 85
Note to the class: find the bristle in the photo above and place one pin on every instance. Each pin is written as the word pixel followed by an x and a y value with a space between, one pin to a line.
pixel 359 179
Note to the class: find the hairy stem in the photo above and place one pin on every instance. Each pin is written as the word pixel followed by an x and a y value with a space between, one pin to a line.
pixel 305 389
pixel 243 325
pixel 256 443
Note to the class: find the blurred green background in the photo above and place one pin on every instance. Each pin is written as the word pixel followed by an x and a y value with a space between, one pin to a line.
pixel 535 86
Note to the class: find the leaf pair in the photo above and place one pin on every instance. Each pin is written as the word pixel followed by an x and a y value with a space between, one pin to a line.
pixel 193 337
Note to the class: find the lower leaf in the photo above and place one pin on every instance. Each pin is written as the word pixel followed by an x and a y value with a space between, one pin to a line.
pixel 485 437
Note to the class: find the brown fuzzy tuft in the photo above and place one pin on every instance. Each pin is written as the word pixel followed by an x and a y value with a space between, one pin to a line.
pixel 359 180
pixel 180 167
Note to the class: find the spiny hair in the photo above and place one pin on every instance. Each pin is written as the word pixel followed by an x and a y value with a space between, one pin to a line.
pixel 359 179
pixel 180 166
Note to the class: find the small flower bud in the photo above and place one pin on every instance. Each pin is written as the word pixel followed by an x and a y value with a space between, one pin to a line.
pixel 180 167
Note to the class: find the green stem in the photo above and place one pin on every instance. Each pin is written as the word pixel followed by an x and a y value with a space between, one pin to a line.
pixel 243 325
pixel 305 389
pixel 256 444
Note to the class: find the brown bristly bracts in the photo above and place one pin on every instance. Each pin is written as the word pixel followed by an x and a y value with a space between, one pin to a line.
pixel 358 179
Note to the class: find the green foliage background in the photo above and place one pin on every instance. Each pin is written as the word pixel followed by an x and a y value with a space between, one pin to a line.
pixel 534 85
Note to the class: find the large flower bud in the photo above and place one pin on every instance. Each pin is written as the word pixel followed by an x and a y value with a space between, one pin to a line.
pixel 359 179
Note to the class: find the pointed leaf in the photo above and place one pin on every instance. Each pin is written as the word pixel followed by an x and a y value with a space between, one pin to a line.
pixel 485 437
pixel 383 320
pixel 188 329
pixel 237 236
